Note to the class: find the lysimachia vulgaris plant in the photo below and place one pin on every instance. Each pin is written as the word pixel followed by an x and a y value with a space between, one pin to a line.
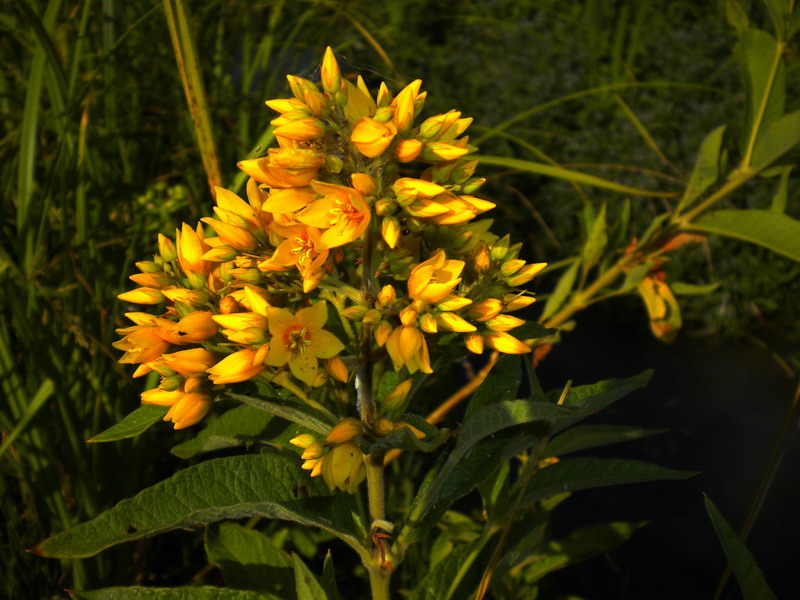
pixel 354 269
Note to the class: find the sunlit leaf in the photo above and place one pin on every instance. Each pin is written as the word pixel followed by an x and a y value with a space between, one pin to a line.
pixel 706 168
pixel 132 424
pixel 267 485
pixel 775 231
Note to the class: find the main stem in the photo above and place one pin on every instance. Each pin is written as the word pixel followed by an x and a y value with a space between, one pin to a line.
pixel 378 575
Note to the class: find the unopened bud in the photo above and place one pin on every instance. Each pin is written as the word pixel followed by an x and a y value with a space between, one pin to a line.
pixel 390 231
pixel 387 295
pixel 398 395
pixel 482 258
pixel 337 369
pixel 354 313
pixel 408 316
pixel 312 450
pixel 515 302
pixel 504 323
pixel 485 310
pixel 384 115
pixel 303 440
pixel 510 267
pixel 228 305
pixel 371 317
pixel 346 430
pixel 148 266
pixel 427 323
pixel 171 382
pixel 525 274
pixel 474 343
pixel 382 332
pixel 166 248
pixel 383 427
pixel 500 247
pixel 197 281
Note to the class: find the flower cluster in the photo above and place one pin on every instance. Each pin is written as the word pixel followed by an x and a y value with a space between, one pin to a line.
pixel 357 235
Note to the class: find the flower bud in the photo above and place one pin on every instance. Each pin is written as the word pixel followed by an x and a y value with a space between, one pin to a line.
pixel 453 302
pixel 371 137
pixel 383 427
pixel 481 258
pixel 505 343
pixel 343 467
pixel 387 295
pixel 384 114
pixel 398 395
pixel 452 322
pixel 427 323
pixel 345 431
pixel 148 266
pixel 474 343
pixel 166 248
pixel 364 184
pixel 171 383
pixel 313 450
pixel 384 96
pixel 500 248
pixel 390 231
pixel 485 310
pixel 228 305
pixel 408 316
pixel 504 323
pixel 304 440
pixel 142 295
pixel 510 267
pixel 516 302
pixel 372 317
pixel 525 274
pixel 382 332
pixel 337 369
pixel 407 150
pixel 330 74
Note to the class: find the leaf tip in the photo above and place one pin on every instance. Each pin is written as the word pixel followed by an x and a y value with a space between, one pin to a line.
pixel 37 550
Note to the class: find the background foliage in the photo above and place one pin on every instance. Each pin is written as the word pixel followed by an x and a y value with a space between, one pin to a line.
pixel 98 153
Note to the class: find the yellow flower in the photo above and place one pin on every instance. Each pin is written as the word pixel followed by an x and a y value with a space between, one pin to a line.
pixel 236 367
pixel 299 340
pixel 405 106
pixel 143 295
pixel 190 409
pixel 343 467
pixel 345 431
pixel 505 343
pixel 341 212
pixel 371 138
pixel 407 346
pixel 407 150
pixel 398 394
pixel 284 167
pixel 525 274
pixel 304 250
pixel 191 247
pixel 189 362
pixel 434 279
pixel 329 72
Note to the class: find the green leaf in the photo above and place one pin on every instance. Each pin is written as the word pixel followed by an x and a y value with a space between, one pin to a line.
pixel 706 169
pixel 596 241
pixel 775 231
pixel 580 545
pixel 777 139
pixel 575 474
pixel 455 576
pixel 308 587
pixel 680 288
pixel 561 291
pixel 404 438
pixel 249 560
pixel 748 574
pixel 500 385
pixel 583 437
pixel 267 485
pixel 634 277
pixel 777 12
pixel 234 428
pixel 200 592
pixel 756 52
pixel 782 193
pixel 736 16
pixel 291 412
pixel 596 396
pixel 569 175
pixel 133 424
pixel 328 580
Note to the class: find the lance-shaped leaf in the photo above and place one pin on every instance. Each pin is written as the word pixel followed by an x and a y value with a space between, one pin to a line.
pixel 706 169
pixel 596 396
pixel 200 592
pixel 561 291
pixel 583 437
pixel 236 427
pixel 500 385
pixel 775 231
pixel 744 566
pixel 132 424
pixel 307 585
pixel 267 485
pixel 679 288
pixel 575 474
pixel 595 242
pixel 456 575
pixel 303 416
pixel 249 560
pixel 777 139
pixel 580 545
